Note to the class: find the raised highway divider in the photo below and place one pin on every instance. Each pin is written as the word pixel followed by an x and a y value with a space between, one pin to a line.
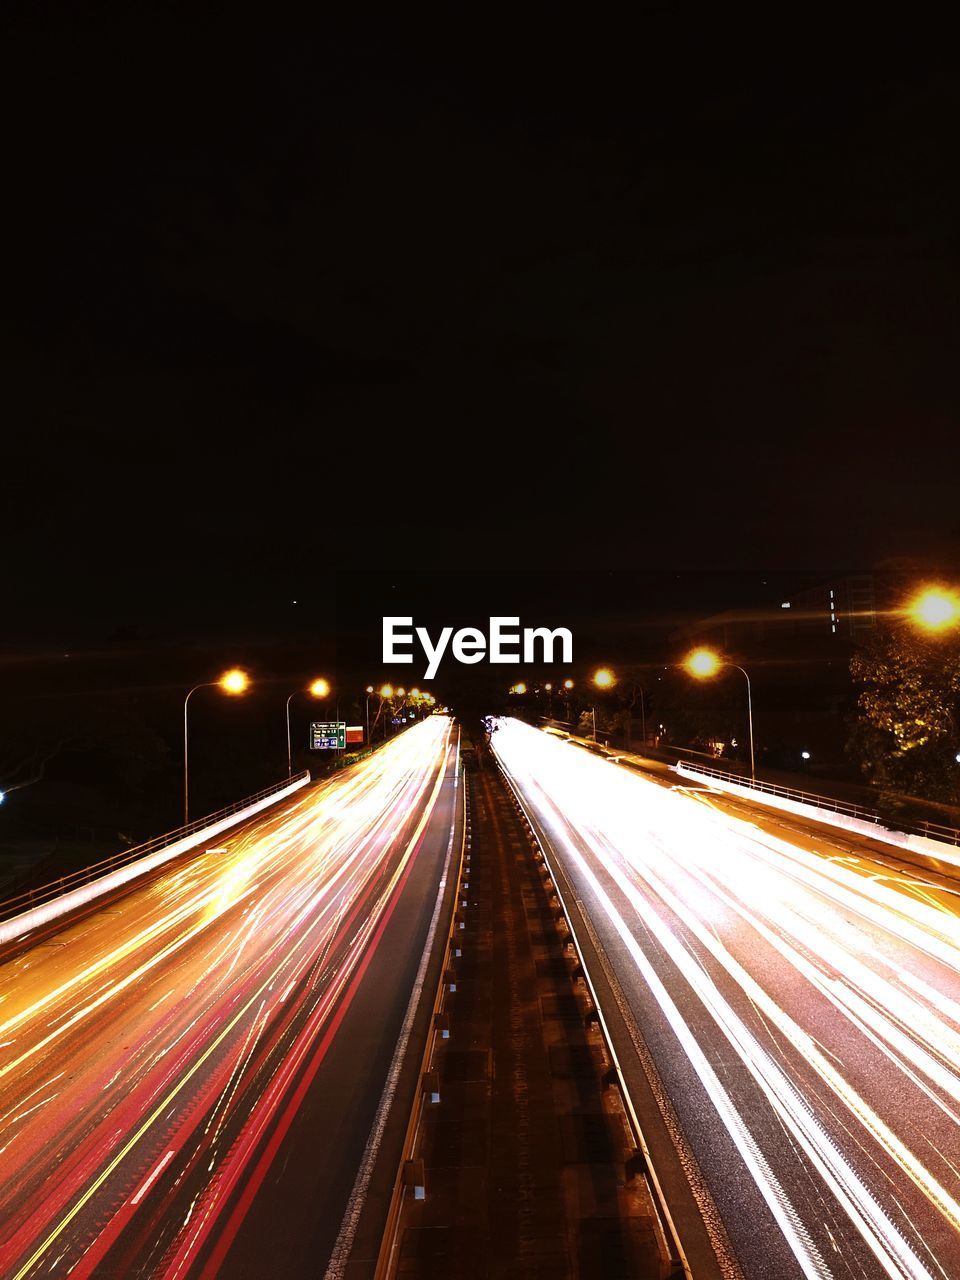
pixel 410 1176
pixel 34 907
pixel 674 1263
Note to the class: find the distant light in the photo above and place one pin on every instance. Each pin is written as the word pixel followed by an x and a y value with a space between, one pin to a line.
pixel 3 794
pixel 549 688
pixel 785 605
pixel 386 691
pixel 320 688
pixel 568 684
pixel 234 681
pixel 956 757
pixel 804 755
pixel 519 688
pixel 369 688
pixel 935 608
pixel 401 692
pixel 604 678
pixel 702 663
pixel 414 693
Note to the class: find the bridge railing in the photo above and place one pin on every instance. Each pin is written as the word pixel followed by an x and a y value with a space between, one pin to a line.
pixel 932 830
pixel 30 898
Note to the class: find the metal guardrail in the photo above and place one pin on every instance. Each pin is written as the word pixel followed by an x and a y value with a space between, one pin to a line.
pixel 54 888
pixel 932 830
pixel 388 1244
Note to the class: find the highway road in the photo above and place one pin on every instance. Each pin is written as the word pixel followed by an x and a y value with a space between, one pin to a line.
pixel 208 1049
pixel 794 995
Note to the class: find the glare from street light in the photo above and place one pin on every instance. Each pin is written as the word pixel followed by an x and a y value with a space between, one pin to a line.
pixel 369 688
pixel 519 688
pixel 401 692
pixel 320 688
pixel 386 691
pixel 702 663
pixel 568 684
pixel 604 678
pixel 234 681
pixel 549 688
pixel 935 609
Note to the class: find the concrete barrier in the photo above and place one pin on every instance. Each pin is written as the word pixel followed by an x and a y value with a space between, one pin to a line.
pixel 18 925
pixel 804 809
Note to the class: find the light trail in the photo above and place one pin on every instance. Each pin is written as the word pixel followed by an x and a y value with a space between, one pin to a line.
pixel 817 1003
pixel 148 1052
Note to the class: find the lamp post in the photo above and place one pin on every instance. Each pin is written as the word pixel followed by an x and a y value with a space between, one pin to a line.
pixel 567 690
pixel 386 693
pixel 603 678
pixel 318 688
pixel 233 682
pixel 703 664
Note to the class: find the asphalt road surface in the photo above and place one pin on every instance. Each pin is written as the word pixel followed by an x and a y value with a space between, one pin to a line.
pixel 189 1073
pixel 799 994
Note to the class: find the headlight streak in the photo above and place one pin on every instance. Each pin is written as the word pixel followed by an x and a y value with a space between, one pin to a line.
pixel 689 870
pixel 276 924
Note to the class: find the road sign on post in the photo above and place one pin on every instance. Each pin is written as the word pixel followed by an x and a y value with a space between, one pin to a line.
pixel 328 735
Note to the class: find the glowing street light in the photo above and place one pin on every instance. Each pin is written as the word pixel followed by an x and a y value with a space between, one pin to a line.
pixel 318 688
pixel 519 688
pixel 935 609
pixel 386 691
pixel 234 682
pixel 703 664
pixel 568 684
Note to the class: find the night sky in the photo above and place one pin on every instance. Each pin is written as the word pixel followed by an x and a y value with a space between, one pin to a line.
pixel 400 297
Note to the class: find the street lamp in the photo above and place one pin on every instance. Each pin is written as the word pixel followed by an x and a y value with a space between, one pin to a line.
pixel 603 678
pixel 386 693
pixel 318 688
pixel 935 609
pixel 233 682
pixel 367 711
pixel 567 689
pixel 704 664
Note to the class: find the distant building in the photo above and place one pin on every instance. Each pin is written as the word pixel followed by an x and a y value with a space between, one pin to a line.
pixel 845 606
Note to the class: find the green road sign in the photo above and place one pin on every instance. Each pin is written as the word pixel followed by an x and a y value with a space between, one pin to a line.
pixel 328 735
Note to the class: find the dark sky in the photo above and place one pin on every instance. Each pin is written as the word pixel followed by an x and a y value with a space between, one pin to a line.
pixel 279 302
